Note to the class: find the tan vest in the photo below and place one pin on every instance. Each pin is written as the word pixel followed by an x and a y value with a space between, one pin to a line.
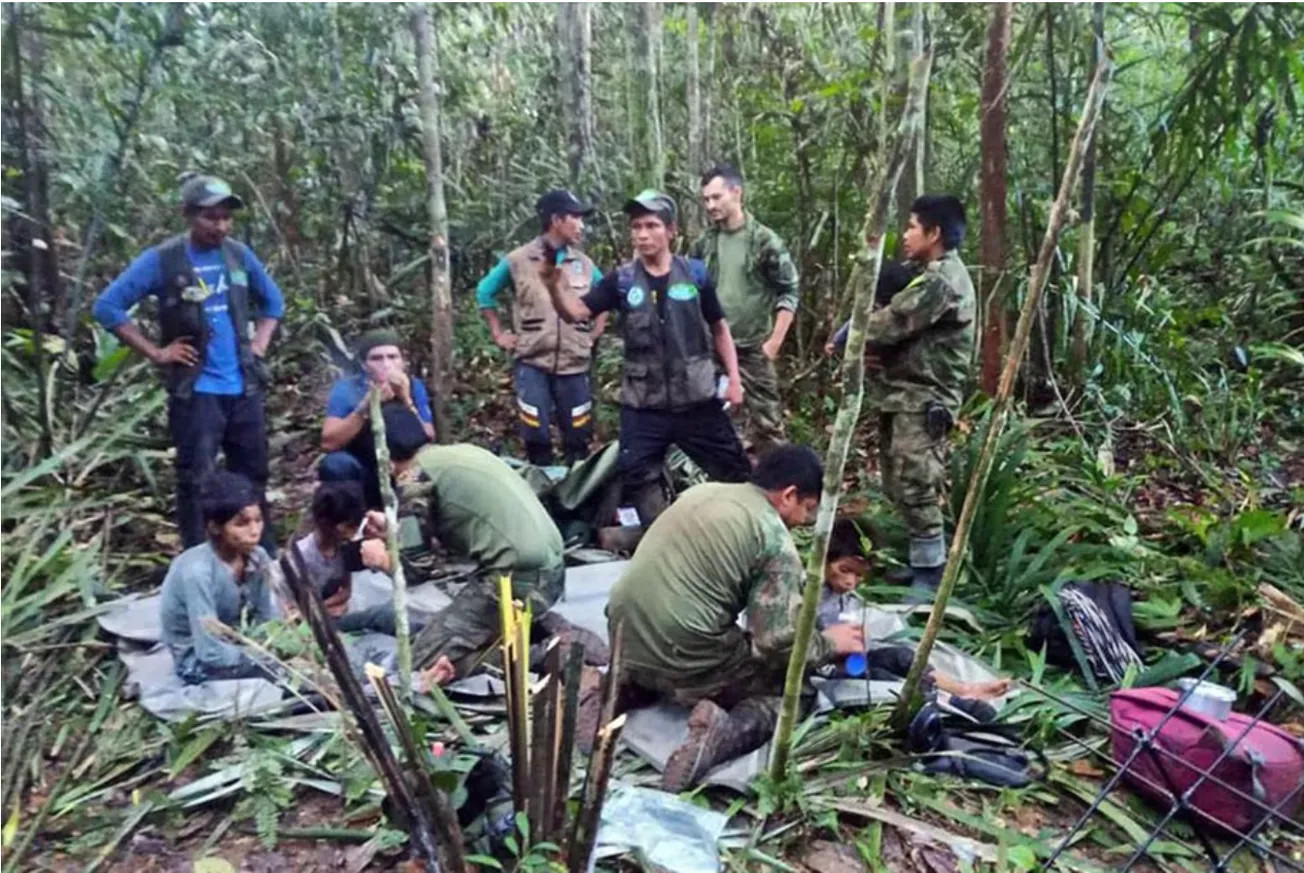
pixel 543 339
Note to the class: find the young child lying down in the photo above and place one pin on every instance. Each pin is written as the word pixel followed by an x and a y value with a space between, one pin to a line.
pixel 849 562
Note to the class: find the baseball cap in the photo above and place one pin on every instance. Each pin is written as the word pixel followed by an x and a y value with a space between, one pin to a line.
pixel 559 201
pixel 202 192
pixel 660 205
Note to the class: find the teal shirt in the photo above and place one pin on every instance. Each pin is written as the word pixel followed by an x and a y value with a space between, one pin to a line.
pixel 500 278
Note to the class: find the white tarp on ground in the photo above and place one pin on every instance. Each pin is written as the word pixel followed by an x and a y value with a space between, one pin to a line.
pixel 652 733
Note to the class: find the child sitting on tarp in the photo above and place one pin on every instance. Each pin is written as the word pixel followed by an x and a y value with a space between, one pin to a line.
pixel 223 580
pixel 345 540
pixel 847 563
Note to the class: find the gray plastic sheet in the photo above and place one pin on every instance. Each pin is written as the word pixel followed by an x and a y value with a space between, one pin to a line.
pixel 662 830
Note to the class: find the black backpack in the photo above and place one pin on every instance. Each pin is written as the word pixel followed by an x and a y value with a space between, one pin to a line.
pixel 1088 626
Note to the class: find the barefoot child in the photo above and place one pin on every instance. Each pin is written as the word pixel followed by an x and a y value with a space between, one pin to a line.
pixel 220 580
pixel 849 562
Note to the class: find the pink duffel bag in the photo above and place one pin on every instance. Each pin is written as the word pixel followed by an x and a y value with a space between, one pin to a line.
pixel 1267 764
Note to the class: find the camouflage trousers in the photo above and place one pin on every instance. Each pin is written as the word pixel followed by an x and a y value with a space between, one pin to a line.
pixel 762 412
pixel 913 466
pixel 743 677
pixel 466 628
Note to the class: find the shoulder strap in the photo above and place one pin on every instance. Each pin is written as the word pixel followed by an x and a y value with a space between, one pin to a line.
pixel 234 252
pixel 174 263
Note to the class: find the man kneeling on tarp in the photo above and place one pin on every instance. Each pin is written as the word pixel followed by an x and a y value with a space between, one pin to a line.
pixel 479 508
pixel 718 551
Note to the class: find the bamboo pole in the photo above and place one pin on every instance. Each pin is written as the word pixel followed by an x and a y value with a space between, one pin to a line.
pixel 1004 391
pixel 390 501
pixel 584 833
pixel 865 279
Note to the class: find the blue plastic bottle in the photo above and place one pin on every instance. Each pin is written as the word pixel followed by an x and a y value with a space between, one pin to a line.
pixel 855 665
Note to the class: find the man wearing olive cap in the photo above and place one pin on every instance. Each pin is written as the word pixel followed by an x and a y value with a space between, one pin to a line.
pixel 209 288
pixel 675 336
pixel 346 434
pixel 552 356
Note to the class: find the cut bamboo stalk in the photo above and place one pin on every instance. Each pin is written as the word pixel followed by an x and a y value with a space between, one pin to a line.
pixel 585 832
pixel 401 631
pixel 543 700
pixel 374 742
pixel 865 278
pixel 611 682
pixel 1004 393
pixel 567 712
pixel 452 854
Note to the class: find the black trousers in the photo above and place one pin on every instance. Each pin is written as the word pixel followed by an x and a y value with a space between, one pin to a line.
pixel 704 432
pixel 203 424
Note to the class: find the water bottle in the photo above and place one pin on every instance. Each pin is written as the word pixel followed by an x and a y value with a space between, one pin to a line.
pixel 855 665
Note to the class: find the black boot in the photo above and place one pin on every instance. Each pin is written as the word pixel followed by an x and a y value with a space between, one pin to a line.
pixel 715 737
pixel 923 584
pixel 540 454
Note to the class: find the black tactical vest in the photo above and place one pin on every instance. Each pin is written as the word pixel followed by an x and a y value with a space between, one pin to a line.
pixel 670 358
pixel 181 313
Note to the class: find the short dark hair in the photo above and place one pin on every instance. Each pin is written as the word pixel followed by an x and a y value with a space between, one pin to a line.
pixel 893 277
pixel 732 177
pixel 336 503
pixel 790 465
pixel 944 211
pixel 222 496
pixel 847 539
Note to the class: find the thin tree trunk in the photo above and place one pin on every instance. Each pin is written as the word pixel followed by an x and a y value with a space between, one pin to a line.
pixel 427 49
pixel 1004 391
pixel 694 89
pixel 390 503
pixel 865 278
pixel 708 94
pixel 911 183
pixel 574 29
pixel 1041 359
pixel 992 197
pixel 645 21
pixel 1087 230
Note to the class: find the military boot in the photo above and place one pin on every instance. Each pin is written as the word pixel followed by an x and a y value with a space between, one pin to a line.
pixel 715 737
pixel 927 561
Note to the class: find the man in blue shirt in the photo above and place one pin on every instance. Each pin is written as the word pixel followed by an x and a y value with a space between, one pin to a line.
pixel 552 356
pixel 346 435
pixel 208 287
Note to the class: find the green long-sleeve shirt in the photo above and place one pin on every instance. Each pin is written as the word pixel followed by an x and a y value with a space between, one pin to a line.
pixel 754 276
pixel 719 551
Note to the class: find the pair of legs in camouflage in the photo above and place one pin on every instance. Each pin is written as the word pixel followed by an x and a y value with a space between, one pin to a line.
pixel 762 412
pixel 912 460
pixel 467 628
pixel 734 711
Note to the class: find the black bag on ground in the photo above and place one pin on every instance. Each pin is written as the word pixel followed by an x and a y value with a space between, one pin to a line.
pixel 1099 615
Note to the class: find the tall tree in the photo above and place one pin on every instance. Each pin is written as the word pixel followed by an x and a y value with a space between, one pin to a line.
pixel 864 280
pixel 909 43
pixel 644 20
pixel 574 50
pixel 427 50
pixel 991 195
pixel 1087 228
pixel 696 160
pixel 708 95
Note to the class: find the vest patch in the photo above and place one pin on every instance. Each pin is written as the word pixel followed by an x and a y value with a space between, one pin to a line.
pixel 682 292
pixel 636 296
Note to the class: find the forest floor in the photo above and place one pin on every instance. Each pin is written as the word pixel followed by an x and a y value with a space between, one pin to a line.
pixel 786 829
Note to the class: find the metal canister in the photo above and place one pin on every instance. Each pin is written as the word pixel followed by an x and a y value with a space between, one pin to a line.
pixel 1208 698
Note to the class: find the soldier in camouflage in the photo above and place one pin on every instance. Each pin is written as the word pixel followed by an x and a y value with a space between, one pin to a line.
pixel 718 551
pixel 920 346
pixel 757 284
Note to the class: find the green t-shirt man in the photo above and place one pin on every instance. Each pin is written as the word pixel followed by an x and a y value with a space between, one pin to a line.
pixel 719 551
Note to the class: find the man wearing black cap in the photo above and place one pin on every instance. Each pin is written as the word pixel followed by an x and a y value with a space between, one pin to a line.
pixel 675 333
pixel 346 434
pixel 209 287
pixel 552 356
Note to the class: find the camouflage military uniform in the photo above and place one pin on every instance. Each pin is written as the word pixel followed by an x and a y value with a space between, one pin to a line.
pixel 718 551
pixel 924 342
pixel 751 289
pixel 476 506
